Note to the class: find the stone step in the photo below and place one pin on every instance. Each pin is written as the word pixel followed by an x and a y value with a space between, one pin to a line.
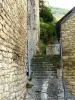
pixel 43 77
pixel 43 62
pixel 45 57
pixel 44 73
pixel 42 66
pixel 37 78
pixel 42 58
pixel 43 70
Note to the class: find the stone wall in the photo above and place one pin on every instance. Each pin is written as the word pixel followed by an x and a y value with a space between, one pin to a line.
pixel 68 48
pixel 12 49
pixel 53 49
pixel 33 29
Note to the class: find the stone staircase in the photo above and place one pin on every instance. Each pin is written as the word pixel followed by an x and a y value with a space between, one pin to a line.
pixel 46 82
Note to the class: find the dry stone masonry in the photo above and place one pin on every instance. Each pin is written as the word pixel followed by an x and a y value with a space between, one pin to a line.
pixel 19 35
pixel 12 49
pixel 68 46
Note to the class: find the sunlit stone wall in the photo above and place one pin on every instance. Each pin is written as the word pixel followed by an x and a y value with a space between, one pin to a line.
pixel 13 23
pixel 68 47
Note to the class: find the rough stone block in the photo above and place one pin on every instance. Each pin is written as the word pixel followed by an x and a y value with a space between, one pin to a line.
pixel 6 87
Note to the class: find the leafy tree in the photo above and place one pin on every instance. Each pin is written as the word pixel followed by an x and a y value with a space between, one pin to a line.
pixel 46 14
pixel 47 31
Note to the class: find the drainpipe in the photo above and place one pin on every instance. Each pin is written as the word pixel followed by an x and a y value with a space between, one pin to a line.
pixel 63 80
pixel 28 48
pixel 29 61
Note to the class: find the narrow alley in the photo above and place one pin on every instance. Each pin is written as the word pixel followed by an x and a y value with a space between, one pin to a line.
pixel 45 79
pixel 37 51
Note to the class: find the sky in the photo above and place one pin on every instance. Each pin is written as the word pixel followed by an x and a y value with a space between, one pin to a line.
pixel 67 4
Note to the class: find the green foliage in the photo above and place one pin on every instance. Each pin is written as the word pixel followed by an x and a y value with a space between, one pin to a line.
pixel 41 19
pixel 42 48
pixel 46 14
pixel 28 85
pixel 30 79
pixel 46 31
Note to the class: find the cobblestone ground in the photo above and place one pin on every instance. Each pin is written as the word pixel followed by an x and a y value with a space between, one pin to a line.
pixel 46 82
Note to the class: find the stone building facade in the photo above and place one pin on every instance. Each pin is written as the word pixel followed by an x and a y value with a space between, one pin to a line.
pixel 33 30
pixel 13 29
pixel 66 33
